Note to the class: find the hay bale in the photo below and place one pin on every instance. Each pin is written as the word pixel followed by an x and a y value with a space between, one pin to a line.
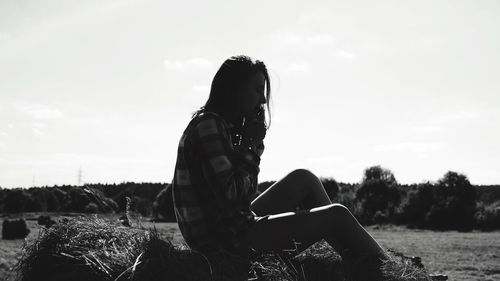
pixel 93 249
pixel 46 221
pixel 320 260
pixel 14 229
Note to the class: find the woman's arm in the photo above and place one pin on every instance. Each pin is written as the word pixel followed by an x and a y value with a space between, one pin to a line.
pixel 230 174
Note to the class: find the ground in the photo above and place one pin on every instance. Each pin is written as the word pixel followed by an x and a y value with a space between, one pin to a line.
pixel 461 256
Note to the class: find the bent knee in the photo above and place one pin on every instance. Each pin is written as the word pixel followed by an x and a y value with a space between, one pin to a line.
pixel 302 174
pixel 337 209
pixel 333 213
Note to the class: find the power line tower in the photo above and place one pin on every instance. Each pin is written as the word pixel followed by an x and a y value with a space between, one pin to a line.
pixel 80 175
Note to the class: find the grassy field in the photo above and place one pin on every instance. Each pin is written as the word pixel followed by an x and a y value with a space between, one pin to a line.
pixel 461 256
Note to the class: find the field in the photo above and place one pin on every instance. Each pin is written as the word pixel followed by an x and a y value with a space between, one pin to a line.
pixel 461 256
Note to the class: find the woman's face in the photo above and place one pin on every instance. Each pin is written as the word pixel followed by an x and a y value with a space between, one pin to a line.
pixel 251 95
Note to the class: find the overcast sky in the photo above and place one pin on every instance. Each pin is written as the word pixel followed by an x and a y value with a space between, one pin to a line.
pixel 108 86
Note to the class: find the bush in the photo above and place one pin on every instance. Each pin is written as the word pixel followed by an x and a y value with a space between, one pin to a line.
pixel 487 216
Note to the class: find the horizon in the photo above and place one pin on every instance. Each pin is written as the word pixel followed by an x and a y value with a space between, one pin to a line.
pixel 109 86
pixel 167 183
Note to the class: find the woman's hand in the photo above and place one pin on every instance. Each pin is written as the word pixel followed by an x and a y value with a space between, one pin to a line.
pixel 254 132
pixel 255 128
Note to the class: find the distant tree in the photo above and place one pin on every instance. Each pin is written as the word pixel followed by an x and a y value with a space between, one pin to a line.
pixel 44 199
pixel 163 206
pixel 331 187
pixel 487 193
pixel 142 206
pixel 417 203
pixel 347 196
pixel 3 192
pixel 33 204
pixel 96 196
pixel 59 194
pixel 53 203
pixel 17 200
pixel 76 200
pixel 147 191
pixel 487 216
pixel 454 203
pixel 379 173
pixel 377 192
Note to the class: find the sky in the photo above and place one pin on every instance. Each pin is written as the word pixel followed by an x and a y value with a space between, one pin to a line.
pixel 107 87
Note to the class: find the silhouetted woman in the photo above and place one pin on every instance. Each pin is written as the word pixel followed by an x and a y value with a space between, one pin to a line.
pixel 216 179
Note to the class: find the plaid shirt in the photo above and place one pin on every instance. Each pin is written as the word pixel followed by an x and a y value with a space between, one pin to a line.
pixel 213 186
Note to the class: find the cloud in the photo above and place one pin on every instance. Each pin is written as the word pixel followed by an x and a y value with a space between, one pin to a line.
pixel 188 65
pixel 39 111
pixel 418 147
pixel 3 134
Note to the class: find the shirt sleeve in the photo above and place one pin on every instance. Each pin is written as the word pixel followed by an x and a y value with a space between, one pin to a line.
pixel 231 175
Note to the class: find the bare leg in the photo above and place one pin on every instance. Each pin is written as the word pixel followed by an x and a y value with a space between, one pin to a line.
pixel 333 222
pixel 299 188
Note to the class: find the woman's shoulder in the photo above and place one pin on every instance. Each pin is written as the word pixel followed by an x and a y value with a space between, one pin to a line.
pixel 208 118
pixel 207 123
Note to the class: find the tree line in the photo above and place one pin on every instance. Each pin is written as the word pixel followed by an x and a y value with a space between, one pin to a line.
pixel 451 203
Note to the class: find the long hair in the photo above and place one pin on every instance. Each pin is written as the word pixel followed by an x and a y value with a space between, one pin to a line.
pixel 231 75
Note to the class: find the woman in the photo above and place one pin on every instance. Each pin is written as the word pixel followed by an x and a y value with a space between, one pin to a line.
pixel 216 179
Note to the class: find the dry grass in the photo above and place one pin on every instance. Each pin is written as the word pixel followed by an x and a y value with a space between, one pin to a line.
pixel 83 249
pixel 462 256
pixel 98 249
